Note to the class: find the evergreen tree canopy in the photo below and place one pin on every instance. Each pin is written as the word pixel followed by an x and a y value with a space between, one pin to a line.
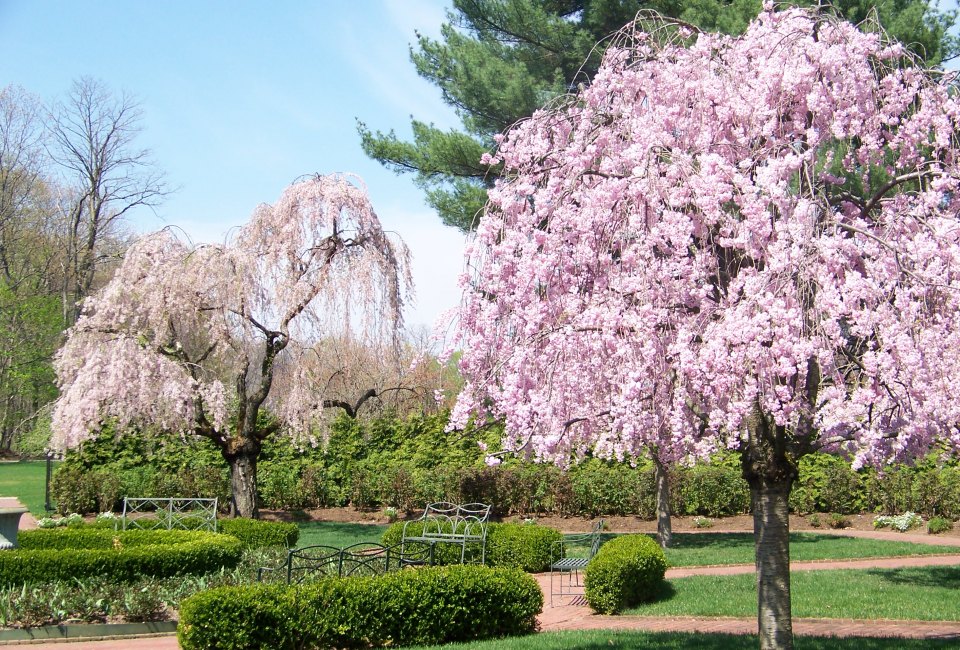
pixel 497 61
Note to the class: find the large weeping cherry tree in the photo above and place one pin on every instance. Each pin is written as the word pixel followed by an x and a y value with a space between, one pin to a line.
pixel 748 243
pixel 218 340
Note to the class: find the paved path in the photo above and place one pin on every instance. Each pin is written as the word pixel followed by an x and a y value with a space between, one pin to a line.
pixel 572 613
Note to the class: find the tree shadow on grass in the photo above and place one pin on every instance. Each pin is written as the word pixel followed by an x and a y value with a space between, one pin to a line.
pixel 604 640
pixel 335 533
pixel 860 643
pixel 683 541
pixel 932 576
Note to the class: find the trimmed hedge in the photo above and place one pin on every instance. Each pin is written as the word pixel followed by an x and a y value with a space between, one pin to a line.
pixel 520 546
pixel 260 534
pixel 67 553
pixel 626 571
pixel 433 605
pixel 254 533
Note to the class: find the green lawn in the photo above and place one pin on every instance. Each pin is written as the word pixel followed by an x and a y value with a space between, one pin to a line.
pixel 25 480
pixel 331 533
pixel 690 549
pixel 601 640
pixel 703 549
pixel 923 593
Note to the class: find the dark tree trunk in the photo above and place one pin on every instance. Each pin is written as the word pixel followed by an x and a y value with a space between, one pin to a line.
pixel 771 529
pixel 664 527
pixel 242 458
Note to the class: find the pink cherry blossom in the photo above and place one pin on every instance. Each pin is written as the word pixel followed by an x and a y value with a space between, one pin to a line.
pixel 196 339
pixel 744 242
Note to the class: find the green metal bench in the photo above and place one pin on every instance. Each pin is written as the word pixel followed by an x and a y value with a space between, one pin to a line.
pixel 446 523
pixel 567 570
pixel 310 563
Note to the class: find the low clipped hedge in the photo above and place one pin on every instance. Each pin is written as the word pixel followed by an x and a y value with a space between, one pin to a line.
pixel 67 553
pixel 433 605
pixel 254 533
pixel 260 534
pixel 520 546
pixel 626 571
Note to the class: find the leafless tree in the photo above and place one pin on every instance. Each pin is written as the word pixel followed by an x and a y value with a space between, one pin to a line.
pixel 93 133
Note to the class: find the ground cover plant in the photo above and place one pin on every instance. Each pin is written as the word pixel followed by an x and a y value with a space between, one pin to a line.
pixel 599 639
pixel 25 480
pixel 921 593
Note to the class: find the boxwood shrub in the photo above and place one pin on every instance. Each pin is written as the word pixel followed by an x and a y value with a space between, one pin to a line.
pixel 260 534
pixel 254 533
pixel 434 605
pixel 67 553
pixel 626 571
pixel 520 546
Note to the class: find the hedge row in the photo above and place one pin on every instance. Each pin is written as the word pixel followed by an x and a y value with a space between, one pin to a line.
pixel 519 546
pixel 435 605
pixel 407 463
pixel 254 533
pixel 123 556
pixel 260 534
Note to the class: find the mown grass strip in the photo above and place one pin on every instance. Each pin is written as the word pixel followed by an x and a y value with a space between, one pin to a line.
pixel 704 549
pixel 332 533
pixel 921 593
pixel 600 640
pixel 27 481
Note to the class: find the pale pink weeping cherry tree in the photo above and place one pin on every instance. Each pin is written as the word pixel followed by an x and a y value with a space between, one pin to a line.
pixel 201 340
pixel 747 243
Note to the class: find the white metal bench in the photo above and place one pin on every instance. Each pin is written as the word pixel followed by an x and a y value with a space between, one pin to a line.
pixel 447 523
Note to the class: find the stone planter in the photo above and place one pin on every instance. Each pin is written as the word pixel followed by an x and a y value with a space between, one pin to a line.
pixel 10 511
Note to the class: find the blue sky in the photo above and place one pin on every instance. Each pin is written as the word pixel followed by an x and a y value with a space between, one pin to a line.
pixel 240 98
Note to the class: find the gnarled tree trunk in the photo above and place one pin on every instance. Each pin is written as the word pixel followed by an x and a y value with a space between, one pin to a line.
pixel 242 456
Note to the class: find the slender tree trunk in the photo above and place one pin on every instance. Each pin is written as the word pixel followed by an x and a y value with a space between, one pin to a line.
pixel 771 529
pixel 664 527
pixel 242 458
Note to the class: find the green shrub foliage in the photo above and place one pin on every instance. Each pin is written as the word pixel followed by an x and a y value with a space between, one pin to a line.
pixel 939 525
pixel 76 553
pixel 405 463
pixel 260 534
pixel 520 546
pixel 435 605
pixel 626 571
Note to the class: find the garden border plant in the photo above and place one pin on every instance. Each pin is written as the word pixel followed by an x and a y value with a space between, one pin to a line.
pixel 67 553
pixel 456 603
pixel 522 546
